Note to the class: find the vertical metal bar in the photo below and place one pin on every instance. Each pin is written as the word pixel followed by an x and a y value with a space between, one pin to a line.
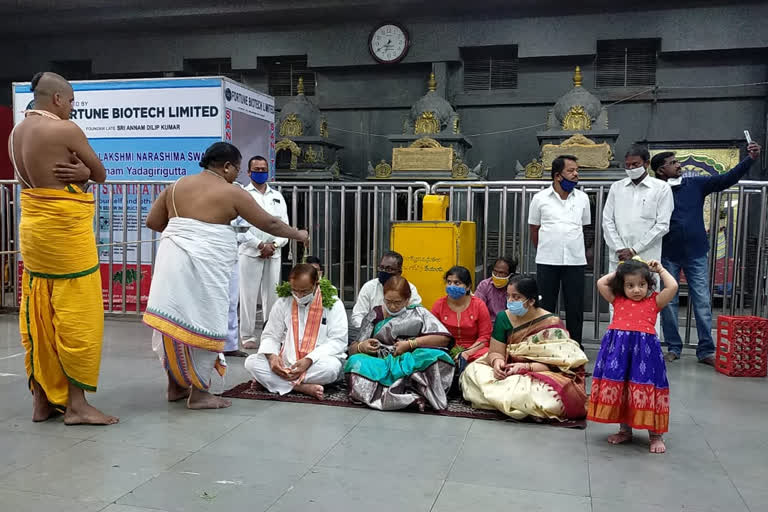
pixel 358 237
pixel 522 249
pixel 153 251
pixel 503 222
pixel 139 241
pixel 597 260
pixel 342 240
pixel 295 220
pixel 4 245
pixel 451 206
pixel 468 215
pixel 515 222
pixel 486 195
pixel 310 222
pixel 123 309
pixel 410 203
pixel 736 244
pixel 375 229
pixel 327 234
pixel 714 228
pixel 757 298
pixel 111 249
pixel 742 271
pixel 369 235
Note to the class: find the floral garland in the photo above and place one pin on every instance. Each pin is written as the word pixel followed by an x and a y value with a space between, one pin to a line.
pixel 330 295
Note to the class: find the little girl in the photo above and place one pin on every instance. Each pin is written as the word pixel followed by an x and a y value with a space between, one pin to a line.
pixel 629 385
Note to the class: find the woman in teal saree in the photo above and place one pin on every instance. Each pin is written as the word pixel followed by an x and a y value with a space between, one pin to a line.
pixel 401 355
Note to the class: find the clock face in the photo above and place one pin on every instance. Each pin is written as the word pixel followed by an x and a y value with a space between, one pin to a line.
pixel 389 43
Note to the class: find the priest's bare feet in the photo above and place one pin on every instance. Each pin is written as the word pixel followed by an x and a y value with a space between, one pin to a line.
pixel 251 345
pixel 623 436
pixel 202 400
pixel 80 412
pixel 657 443
pixel 313 390
pixel 88 415
pixel 176 392
pixel 42 410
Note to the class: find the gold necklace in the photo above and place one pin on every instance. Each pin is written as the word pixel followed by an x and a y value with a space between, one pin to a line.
pixel 215 174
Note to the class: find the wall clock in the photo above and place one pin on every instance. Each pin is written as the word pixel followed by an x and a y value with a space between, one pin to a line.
pixel 389 43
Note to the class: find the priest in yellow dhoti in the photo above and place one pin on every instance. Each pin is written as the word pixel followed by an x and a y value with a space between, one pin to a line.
pixel 61 315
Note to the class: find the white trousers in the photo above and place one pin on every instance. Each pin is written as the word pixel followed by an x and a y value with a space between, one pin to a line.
pixel 325 370
pixel 612 266
pixel 233 337
pixel 258 279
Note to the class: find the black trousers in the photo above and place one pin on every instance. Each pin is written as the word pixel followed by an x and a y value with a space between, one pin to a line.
pixel 550 278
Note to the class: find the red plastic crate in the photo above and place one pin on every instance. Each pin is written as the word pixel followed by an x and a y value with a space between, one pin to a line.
pixel 742 346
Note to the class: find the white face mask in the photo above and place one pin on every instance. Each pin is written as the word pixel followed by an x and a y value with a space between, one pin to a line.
pixel 635 173
pixel 305 300
pixel 393 313
pixel 675 182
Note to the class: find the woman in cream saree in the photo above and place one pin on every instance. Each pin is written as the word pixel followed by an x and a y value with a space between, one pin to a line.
pixel 533 368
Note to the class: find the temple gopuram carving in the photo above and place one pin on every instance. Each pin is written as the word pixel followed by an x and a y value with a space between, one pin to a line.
pixel 577 125
pixel 304 151
pixel 431 146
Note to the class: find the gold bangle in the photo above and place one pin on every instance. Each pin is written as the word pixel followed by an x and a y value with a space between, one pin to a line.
pixel 411 343
pixel 358 348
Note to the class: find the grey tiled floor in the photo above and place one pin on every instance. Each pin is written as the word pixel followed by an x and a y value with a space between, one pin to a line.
pixel 259 456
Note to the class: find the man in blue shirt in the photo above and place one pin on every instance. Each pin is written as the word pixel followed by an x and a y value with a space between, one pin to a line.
pixel 685 246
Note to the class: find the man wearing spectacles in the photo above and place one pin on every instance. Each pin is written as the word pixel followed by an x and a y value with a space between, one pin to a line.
pixel 372 293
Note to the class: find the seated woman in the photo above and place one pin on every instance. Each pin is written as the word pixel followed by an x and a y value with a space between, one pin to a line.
pixel 401 356
pixel 533 368
pixel 493 291
pixel 304 343
pixel 466 317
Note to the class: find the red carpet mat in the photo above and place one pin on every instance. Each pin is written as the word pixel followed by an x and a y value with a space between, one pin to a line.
pixel 337 396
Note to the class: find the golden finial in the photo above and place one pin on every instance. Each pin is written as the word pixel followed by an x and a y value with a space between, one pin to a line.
pixel 432 84
pixel 300 86
pixel 577 77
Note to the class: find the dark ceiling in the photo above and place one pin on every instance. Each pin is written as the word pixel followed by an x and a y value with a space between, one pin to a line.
pixel 67 16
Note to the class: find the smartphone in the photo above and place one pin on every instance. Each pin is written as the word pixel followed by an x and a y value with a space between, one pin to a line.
pixel 747 136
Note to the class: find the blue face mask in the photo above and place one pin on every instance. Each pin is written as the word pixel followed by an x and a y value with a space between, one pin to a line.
pixel 568 185
pixel 259 177
pixel 455 291
pixel 516 307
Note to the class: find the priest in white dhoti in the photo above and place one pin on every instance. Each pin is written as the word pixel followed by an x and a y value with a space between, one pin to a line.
pixel 304 343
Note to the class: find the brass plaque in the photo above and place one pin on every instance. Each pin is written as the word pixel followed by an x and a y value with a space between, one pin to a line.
pixel 422 159
pixel 590 154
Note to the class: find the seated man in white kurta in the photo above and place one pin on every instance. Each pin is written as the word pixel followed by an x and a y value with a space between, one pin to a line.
pixel 304 343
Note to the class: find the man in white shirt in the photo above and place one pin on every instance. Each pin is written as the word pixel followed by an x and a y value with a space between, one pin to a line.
pixel 556 217
pixel 636 213
pixel 372 293
pixel 259 254
pixel 304 343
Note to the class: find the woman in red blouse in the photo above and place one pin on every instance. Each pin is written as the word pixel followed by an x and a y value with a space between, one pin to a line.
pixel 466 317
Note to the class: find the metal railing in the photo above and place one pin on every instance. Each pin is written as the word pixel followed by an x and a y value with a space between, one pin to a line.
pixel 738 262
pixel 348 224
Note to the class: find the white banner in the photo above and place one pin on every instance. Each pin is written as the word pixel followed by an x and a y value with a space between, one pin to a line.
pixel 137 109
pixel 247 101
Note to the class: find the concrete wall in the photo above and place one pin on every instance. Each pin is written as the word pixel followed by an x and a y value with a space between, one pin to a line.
pixel 358 95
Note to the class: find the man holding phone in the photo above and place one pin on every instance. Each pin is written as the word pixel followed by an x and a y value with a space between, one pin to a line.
pixel 685 246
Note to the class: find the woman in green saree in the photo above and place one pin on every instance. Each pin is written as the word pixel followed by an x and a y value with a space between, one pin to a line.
pixel 533 368
pixel 401 356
